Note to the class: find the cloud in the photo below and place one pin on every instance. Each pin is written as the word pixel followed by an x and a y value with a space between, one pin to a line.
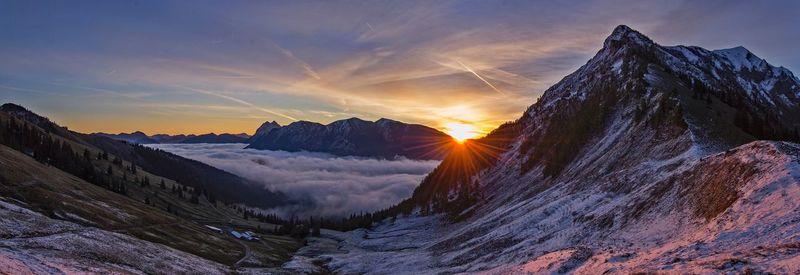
pixel 322 184
pixel 395 59
pixel 298 62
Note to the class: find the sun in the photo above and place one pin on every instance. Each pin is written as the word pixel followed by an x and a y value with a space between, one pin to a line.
pixel 460 131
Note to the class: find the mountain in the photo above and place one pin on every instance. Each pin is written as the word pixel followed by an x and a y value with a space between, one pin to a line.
pixel 40 121
pixel 164 138
pixel 263 130
pixel 224 185
pixel 133 138
pixel 214 138
pixel 72 202
pixel 142 138
pixel 383 138
pixel 55 221
pixel 648 158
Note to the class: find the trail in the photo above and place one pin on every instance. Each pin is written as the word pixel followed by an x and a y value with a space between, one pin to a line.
pixel 247 253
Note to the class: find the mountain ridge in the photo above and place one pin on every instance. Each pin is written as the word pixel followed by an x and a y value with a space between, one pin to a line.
pixel 138 137
pixel 383 138
pixel 643 159
pixel 226 186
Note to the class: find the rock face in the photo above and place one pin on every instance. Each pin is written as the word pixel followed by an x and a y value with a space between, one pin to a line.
pixel 383 138
pixel 646 158
pixel 263 130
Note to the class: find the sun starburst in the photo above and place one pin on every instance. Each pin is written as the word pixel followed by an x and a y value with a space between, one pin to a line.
pixel 461 131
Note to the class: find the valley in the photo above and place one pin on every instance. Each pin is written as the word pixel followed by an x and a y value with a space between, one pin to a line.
pixel 151 211
pixel 633 163
pixel 399 137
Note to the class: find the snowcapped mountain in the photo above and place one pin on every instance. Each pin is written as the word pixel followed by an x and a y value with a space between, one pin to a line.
pixel 383 138
pixel 646 158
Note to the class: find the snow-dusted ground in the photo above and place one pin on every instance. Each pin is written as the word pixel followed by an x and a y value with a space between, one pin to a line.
pixel 670 191
pixel 31 243
pixel 759 232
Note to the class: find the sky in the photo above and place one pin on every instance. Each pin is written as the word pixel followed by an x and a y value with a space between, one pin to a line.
pixel 227 66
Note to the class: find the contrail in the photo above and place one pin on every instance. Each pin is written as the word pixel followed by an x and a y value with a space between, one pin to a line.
pixel 245 103
pixel 25 90
pixel 480 77
pixel 299 62
pixel 105 91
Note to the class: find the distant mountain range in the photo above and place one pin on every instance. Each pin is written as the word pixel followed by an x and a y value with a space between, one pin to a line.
pixel 384 138
pixel 142 138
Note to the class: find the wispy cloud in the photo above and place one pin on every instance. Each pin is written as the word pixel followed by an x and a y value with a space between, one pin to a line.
pixel 415 61
pixel 27 90
pixel 242 102
pixel 297 61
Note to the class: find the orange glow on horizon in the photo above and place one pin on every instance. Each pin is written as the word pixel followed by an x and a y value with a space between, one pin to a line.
pixel 461 131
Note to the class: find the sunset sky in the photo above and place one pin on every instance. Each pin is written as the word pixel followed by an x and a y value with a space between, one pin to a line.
pixel 227 66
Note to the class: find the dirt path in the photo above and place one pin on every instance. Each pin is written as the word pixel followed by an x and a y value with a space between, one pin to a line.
pixel 247 253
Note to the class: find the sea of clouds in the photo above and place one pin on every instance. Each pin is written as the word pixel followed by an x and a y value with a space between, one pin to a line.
pixel 320 184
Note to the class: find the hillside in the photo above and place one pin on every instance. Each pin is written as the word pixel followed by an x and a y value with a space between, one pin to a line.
pixel 383 138
pixel 35 244
pixel 73 210
pixel 647 158
pixel 123 197
pixel 204 178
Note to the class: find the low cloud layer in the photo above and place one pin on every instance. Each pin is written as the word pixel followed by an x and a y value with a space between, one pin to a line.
pixel 321 183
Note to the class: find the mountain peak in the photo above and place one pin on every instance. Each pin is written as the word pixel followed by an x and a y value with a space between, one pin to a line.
pixel 625 35
pixel 349 121
pixel 740 57
pixel 9 107
pixel 621 30
pixel 20 111
pixel 386 121
pixel 268 123
pixel 735 51
pixel 263 130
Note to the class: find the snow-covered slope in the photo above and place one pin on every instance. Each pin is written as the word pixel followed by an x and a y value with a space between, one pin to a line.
pixel 646 158
pixel 32 243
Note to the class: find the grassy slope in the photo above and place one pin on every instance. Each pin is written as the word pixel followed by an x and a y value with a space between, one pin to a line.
pixel 58 194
